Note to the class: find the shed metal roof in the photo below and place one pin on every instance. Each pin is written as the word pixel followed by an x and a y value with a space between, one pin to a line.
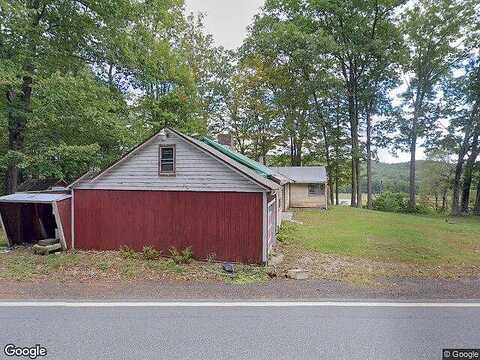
pixel 269 184
pixel 303 174
pixel 40 184
pixel 33 198
pixel 254 165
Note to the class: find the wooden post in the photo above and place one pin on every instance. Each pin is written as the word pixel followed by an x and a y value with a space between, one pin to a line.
pixel 4 230
pixel 58 220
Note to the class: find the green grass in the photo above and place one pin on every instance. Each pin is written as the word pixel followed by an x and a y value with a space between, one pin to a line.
pixel 385 236
pixel 22 265
pixel 3 239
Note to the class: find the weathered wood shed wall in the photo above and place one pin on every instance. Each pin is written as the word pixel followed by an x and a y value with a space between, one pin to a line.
pixel 227 224
pixel 195 171
pixel 65 212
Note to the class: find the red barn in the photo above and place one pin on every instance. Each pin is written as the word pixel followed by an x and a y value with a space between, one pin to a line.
pixel 176 191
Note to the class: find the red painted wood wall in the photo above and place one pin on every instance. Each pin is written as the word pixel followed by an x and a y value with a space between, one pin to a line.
pixel 228 225
pixel 65 211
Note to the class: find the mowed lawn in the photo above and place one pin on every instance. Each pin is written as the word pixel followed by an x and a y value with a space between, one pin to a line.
pixel 389 237
pixel 3 239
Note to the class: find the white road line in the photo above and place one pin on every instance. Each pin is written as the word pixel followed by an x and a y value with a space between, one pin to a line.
pixel 87 304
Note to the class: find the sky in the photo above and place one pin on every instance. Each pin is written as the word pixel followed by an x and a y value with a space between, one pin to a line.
pixel 227 21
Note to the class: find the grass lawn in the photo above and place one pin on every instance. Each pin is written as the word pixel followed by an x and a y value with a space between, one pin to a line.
pixel 3 239
pixel 418 243
pixel 21 264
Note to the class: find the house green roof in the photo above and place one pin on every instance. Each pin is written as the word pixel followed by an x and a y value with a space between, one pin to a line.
pixel 260 169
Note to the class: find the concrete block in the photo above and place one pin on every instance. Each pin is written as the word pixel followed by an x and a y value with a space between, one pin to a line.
pixel 298 274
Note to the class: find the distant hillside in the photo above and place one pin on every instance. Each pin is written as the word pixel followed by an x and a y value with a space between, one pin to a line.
pixel 390 177
pixel 393 177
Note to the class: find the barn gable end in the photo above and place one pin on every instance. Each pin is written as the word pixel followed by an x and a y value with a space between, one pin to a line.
pixel 196 170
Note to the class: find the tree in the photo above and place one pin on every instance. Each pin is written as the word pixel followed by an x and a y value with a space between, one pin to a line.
pixel 122 69
pixel 360 30
pixel 438 183
pixel 37 39
pixel 432 31
pixel 68 135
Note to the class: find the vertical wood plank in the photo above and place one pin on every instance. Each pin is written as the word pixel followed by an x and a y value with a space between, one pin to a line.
pixel 227 224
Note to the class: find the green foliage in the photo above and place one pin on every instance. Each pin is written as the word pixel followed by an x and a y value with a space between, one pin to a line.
pixel 184 256
pixel 392 202
pixel 246 275
pixel 287 232
pixel 127 252
pixel 104 76
pixel 3 239
pixel 149 253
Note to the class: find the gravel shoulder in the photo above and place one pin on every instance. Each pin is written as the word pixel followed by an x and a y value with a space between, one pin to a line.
pixel 278 289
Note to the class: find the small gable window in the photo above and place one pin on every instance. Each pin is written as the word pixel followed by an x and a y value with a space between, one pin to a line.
pixel 166 161
pixel 314 189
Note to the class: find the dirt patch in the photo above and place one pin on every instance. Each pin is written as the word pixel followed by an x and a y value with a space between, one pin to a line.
pixel 366 272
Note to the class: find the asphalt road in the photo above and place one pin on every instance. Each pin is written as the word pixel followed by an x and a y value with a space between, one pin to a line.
pixel 316 332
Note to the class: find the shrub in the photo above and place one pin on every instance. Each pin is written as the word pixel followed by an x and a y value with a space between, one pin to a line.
pixel 211 257
pixel 127 253
pixel 392 202
pixel 184 256
pixel 287 232
pixel 149 253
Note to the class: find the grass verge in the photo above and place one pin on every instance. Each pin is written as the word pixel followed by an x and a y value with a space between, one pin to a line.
pixel 360 244
pixel 22 265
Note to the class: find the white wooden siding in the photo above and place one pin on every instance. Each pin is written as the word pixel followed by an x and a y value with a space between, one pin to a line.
pixel 195 171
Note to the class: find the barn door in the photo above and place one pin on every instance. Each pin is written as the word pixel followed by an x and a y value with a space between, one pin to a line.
pixel 271 223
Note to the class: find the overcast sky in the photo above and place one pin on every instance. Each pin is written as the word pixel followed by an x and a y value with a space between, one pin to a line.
pixel 227 21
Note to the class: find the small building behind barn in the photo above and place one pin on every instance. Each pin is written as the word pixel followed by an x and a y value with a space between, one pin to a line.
pixel 307 187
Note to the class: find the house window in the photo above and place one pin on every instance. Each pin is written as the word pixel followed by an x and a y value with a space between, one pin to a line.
pixel 166 162
pixel 314 189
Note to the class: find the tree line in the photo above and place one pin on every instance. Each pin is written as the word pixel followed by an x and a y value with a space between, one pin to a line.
pixel 315 82
pixel 334 81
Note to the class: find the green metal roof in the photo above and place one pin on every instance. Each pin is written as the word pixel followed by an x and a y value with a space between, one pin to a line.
pixel 260 169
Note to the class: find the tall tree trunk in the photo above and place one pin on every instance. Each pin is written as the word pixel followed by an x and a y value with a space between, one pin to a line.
pixel 337 153
pixel 329 164
pixel 353 131
pixel 456 210
pixel 357 145
pixel 369 161
pixel 444 201
pixel 337 195
pixel 353 199
pixel 20 106
pixel 467 176
pixel 359 183
pixel 326 147
pixel 412 204
pixel 476 208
